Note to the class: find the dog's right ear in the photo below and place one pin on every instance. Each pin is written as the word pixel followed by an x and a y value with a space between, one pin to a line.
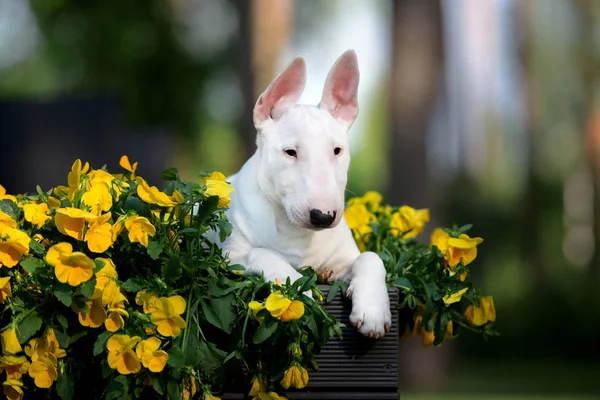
pixel 282 93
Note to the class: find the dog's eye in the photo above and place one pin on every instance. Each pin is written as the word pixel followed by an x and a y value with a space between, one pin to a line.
pixel 337 150
pixel 291 153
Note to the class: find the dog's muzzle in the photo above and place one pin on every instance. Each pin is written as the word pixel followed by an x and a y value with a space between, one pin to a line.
pixel 321 220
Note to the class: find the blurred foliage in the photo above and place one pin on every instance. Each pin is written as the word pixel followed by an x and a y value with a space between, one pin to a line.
pixel 131 49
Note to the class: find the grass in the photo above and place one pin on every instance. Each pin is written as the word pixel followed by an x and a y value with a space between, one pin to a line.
pixel 518 380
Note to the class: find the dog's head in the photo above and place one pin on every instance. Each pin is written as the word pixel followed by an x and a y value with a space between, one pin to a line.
pixel 303 150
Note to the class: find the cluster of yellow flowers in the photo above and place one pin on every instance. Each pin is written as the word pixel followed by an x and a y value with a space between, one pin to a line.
pixel 373 223
pixel 82 211
pixel 284 309
pixel 42 365
pixel 362 212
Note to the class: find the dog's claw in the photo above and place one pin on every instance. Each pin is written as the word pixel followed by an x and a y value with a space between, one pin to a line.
pixel 387 327
pixel 349 292
pixel 358 324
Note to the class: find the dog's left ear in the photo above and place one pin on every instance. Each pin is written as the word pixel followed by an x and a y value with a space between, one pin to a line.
pixel 341 87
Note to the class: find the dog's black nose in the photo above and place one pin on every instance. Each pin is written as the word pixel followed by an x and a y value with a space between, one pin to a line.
pixel 320 219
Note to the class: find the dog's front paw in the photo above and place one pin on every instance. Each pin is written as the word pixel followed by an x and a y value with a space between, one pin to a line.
pixel 370 312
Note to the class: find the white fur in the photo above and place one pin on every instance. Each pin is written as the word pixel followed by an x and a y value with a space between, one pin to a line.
pixel 275 192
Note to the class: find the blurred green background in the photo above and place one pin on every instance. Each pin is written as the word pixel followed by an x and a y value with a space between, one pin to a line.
pixel 484 111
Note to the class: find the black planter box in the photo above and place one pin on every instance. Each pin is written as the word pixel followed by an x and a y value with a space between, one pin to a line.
pixel 356 367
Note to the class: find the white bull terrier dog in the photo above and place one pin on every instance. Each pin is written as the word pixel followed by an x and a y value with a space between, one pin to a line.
pixel 287 209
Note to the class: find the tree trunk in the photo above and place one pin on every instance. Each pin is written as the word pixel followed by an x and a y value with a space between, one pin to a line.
pixel 416 69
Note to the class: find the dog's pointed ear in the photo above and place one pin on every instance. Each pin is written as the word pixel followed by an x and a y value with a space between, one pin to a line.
pixel 282 93
pixel 341 89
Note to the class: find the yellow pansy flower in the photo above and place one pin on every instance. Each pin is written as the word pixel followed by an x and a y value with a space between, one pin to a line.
pixel 283 308
pixel 147 300
pixel 121 355
pixel 118 227
pixel 139 229
pixel 53 346
pixel 112 296
pixel 13 389
pixel 358 219
pixel 125 164
pixel 152 195
pixel 97 197
pixel 408 221
pixel 71 221
pixel 105 275
pixel 295 377
pixel 70 267
pixel 4 196
pixel 255 306
pixel 43 370
pixel 15 366
pixel 257 387
pixel 10 343
pixel 99 234
pixel 7 220
pixel 100 175
pixel 216 185
pixel 152 358
pixel 454 297
pixel 115 321
pixel 209 396
pixel 37 214
pixel 177 197
pixel 74 177
pixel 190 388
pixel 371 198
pixel 455 249
pixel 13 244
pixel 5 289
pixel 479 316
pixel 96 315
pixel 166 317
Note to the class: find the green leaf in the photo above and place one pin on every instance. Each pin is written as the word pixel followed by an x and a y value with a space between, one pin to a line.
pixel 265 330
pixel 133 285
pixel 172 269
pixel 37 248
pixel 464 228
pixel 176 358
pixel 154 249
pixel 87 288
pixel 63 293
pixel 65 386
pixel 77 336
pixel 236 267
pixel 173 390
pixel 169 174
pixel 333 291
pixel 10 208
pixel 100 344
pixel 206 208
pixel 223 308
pixel 158 385
pixel 225 228
pixel 63 338
pixel 211 356
pixel 62 321
pixel 28 326
pixel 117 387
pixel 133 203
pixel 210 315
pixel 312 280
pixel 32 264
pixel 99 265
pixel 403 283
